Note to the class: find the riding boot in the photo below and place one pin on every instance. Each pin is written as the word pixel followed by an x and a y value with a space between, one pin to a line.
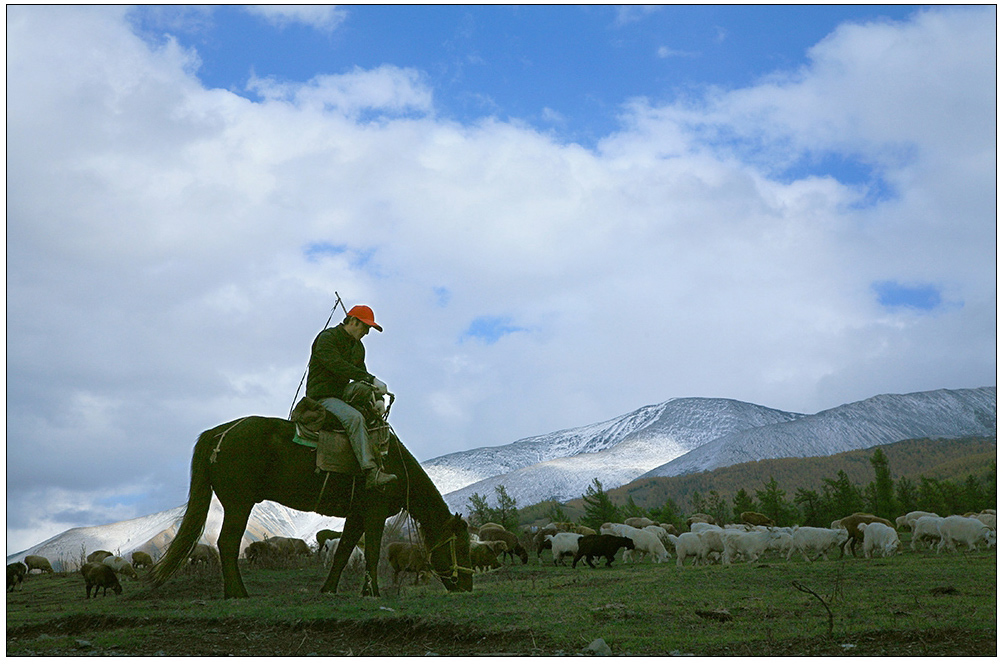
pixel 376 478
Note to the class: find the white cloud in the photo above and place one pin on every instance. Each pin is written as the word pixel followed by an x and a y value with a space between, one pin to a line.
pixel 158 237
pixel 321 17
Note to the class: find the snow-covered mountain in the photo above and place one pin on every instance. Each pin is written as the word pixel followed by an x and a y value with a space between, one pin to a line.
pixel 887 418
pixel 562 464
pixel 679 436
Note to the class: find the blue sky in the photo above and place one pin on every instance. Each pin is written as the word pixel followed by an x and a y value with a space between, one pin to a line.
pixel 558 214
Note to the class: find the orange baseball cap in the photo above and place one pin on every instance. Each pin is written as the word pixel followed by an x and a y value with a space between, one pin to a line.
pixel 365 314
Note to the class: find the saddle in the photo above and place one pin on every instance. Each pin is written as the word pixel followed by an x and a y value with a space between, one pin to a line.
pixel 317 427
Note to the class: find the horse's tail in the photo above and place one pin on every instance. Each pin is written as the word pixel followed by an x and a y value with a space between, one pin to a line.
pixel 193 523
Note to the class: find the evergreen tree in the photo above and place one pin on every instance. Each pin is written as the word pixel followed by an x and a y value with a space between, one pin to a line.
pixel 812 508
pixel 478 510
pixel 632 508
pixel 556 513
pixel 717 507
pixel 507 512
pixel 883 497
pixel 669 513
pixel 930 498
pixel 698 503
pixel 599 509
pixel 774 505
pixel 743 502
pixel 906 495
pixel 846 497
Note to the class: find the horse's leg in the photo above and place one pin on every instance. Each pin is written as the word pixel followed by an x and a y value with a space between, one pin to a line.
pixel 351 535
pixel 374 521
pixel 234 523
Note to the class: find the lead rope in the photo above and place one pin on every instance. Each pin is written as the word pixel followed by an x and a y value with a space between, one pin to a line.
pixel 212 457
pixel 305 371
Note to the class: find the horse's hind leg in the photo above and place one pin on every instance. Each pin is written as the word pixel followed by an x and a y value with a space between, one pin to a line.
pixel 234 523
pixel 350 536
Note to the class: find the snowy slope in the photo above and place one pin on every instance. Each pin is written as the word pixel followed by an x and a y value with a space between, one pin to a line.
pixel 879 420
pixel 665 432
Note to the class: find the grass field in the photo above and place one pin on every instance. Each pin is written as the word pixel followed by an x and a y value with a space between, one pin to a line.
pixel 916 603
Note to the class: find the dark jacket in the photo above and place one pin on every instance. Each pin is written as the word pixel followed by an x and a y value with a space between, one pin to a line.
pixel 335 359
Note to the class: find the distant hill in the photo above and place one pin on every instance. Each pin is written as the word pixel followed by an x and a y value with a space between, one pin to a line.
pixel 952 459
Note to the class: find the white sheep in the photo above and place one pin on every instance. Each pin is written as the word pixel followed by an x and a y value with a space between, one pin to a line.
pixel 120 565
pixel 783 543
pixel 356 559
pixel 700 526
pixel 925 529
pixel 645 542
pixel 966 530
pixel 808 540
pixel 907 520
pixel 713 538
pixel 879 538
pixel 750 545
pixel 988 519
pixel 663 537
pixel 690 545
pixel 563 544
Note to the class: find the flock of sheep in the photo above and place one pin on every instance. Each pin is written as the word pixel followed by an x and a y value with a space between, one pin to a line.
pixel 707 542
pixel 704 543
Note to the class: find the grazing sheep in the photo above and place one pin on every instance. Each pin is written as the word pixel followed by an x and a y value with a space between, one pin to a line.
pixel 484 555
pixel 261 552
pixel 700 518
pixel 907 520
pixel 749 545
pixel 988 519
pixel 783 543
pixel 38 562
pixel 663 537
pixel 121 566
pixel 141 559
pixel 690 545
pixel 15 575
pixel 964 530
pixel 540 541
pixel 356 559
pixel 713 537
pixel 879 538
pixel 645 542
pixel 926 529
pixel 100 576
pixel 600 546
pixel 639 522
pixel 289 546
pixel 564 544
pixel 203 554
pixel 98 556
pixel 669 528
pixel 756 519
pixel 851 525
pixel 407 557
pixel 809 540
pixel 323 536
pixel 513 546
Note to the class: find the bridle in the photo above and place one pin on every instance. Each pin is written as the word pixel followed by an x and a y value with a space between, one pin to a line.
pixel 454 568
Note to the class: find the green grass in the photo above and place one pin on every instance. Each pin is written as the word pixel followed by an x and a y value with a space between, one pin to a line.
pixel 641 609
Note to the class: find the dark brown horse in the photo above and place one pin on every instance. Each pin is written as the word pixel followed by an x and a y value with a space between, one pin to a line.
pixel 254 459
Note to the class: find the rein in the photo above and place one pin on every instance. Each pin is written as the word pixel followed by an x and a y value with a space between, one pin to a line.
pixel 454 568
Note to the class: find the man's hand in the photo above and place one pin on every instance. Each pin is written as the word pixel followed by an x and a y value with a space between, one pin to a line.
pixel 379 386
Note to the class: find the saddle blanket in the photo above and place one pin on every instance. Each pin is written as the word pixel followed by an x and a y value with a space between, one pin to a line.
pixel 334 452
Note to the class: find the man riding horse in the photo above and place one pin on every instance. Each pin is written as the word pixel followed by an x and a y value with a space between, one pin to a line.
pixel 337 364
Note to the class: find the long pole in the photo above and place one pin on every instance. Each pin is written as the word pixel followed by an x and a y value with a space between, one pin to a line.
pixel 333 309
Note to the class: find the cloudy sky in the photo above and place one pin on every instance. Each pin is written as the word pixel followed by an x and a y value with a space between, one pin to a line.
pixel 558 214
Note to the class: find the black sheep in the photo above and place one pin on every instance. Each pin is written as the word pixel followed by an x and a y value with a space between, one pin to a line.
pixel 15 575
pixel 601 546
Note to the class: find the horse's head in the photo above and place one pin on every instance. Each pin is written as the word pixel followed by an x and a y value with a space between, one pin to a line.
pixel 449 557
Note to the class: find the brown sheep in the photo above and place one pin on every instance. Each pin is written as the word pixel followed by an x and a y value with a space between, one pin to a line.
pixel 120 565
pixel 289 546
pixel 38 562
pixel 540 541
pixel 407 557
pixel 205 554
pixel 851 522
pixel 261 552
pixel 513 547
pixel 15 575
pixel 98 575
pixel 484 555
pixel 141 559
pixel 700 518
pixel 638 522
pixel 98 556
pixel 757 519
pixel 669 528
